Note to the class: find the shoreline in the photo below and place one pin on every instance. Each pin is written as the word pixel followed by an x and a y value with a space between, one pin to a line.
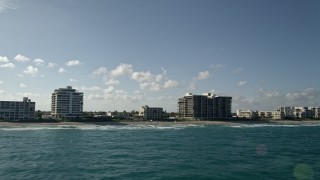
pixel 159 123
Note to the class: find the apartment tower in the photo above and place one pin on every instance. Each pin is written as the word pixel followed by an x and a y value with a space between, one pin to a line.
pixel 206 106
pixel 67 103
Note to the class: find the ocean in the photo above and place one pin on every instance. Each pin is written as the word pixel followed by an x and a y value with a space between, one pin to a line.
pixel 160 152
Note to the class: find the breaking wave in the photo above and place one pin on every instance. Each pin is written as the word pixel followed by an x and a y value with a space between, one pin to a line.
pixel 98 127
pixel 269 125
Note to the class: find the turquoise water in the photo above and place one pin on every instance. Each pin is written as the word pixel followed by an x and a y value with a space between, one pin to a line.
pixel 160 152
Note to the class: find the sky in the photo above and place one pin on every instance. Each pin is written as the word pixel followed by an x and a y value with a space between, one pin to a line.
pixel 124 54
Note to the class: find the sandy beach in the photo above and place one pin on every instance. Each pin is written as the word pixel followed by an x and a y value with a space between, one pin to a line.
pixel 157 123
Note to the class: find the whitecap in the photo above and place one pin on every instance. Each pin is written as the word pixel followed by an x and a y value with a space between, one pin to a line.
pixel 269 125
pixel 97 127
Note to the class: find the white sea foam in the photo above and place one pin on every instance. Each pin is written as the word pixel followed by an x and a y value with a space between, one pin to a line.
pixel 269 125
pixel 97 127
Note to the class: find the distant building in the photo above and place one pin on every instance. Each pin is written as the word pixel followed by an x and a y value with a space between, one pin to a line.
pixel 151 112
pixel 67 103
pixel 206 106
pixel 300 112
pixel 249 114
pixel 288 111
pixel 121 115
pixel 316 112
pixel 277 115
pixel 265 114
pixel 17 110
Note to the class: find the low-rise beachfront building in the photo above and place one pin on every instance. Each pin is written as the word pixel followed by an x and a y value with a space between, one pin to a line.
pixel 152 113
pixel 248 114
pixel 205 106
pixel 67 103
pixel 265 114
pixel 277 115
pixel 291 112
pixel 17 110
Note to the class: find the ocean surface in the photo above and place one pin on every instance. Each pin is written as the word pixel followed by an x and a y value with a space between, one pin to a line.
pixel 160 152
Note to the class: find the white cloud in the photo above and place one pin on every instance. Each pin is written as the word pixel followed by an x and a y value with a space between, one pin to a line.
pixel 62 70
pixel 122 70
pixel 20 75
pixel 157 82
pixel 1 82
pixel 238 70
pixel 242 83
pixel 94 88
pixel 73 63
pixel 146 80
pixel 7 65
pixel 138 92
pixel 95 97
pixel 22 85
pixel 4 59
pixel 120 95
pixel 217 66
pixel 100 71
pixel 151 86
pixel 268 93
pixel 310 95
pixel 30 70
pixel 111 82
pixel 39 62
pixel 164 71
pixel 21 58
pixel 50 64
pixel 267 99
pixel 248 103
pixel 161 98
pixel 193 86
pixel 142 76
pixel 6 4
pixel 3 92
pixel 73 80
pixel 28 94
pixel 203 75
pixel 109 90
pixel 170 84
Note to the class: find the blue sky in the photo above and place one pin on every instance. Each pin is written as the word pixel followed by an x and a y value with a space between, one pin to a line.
pixel 124 54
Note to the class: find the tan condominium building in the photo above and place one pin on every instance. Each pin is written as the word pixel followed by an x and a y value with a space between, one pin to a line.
pixel 67 103
pixel 205 106
pixel 17 110
pixel 151 112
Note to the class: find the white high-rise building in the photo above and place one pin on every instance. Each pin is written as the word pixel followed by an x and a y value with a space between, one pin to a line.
pixel 67 103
